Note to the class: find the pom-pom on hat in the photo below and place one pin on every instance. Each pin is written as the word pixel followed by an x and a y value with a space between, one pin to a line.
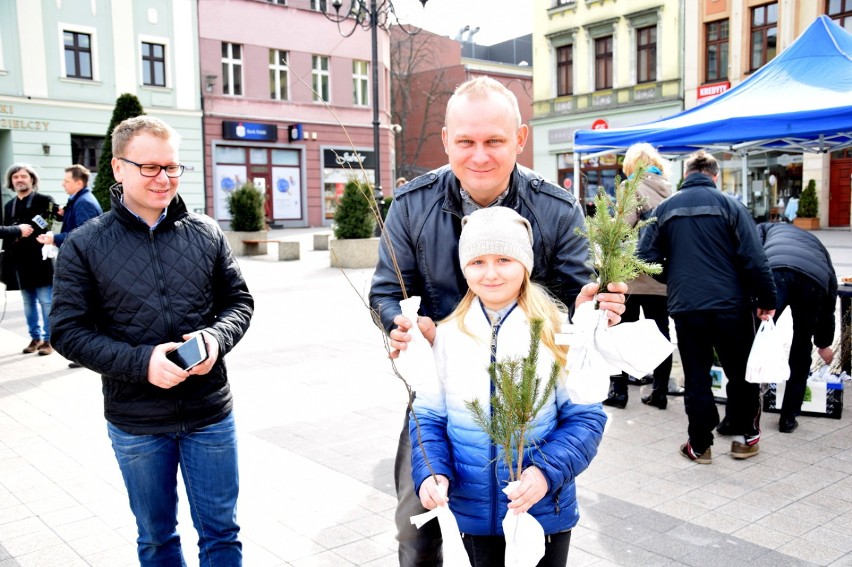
pixel 496 230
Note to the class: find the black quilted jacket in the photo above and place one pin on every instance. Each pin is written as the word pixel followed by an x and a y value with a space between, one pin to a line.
pixel 121 288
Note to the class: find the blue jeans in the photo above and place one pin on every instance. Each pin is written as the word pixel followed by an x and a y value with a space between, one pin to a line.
pixel 34 298
pixel 208 463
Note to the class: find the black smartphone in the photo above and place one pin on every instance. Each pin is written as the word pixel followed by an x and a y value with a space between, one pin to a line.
pixel 189 354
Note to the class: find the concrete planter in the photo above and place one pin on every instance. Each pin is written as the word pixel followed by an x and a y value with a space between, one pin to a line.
pixel 354 252
pixel 806 223
pixel 235 239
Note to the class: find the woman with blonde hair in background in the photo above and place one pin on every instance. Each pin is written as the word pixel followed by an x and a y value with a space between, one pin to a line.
pixel 645 292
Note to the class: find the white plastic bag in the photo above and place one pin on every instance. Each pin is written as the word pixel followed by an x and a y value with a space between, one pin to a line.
pixel 597 351
pixel 767 361
pixel 524 536
pixel 417 362
pixel 454 552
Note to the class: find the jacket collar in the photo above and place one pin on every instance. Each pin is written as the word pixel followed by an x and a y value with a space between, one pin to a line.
pixel 453 199
pixel 175 210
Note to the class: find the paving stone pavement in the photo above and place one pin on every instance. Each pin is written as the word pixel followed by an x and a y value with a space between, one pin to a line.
pixel 319 413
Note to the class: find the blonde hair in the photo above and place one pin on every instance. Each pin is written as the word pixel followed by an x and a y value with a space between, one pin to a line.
pixel 644 153
pixel 480 88
pixel 536 303
pixel 132 127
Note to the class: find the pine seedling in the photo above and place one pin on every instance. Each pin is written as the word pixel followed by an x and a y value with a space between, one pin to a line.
pixel 612 241
pixel 516 400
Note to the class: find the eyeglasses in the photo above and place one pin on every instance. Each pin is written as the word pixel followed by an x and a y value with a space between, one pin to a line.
pixel 153 169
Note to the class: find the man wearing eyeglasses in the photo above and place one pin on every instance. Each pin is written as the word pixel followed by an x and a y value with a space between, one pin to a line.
pixel 130 285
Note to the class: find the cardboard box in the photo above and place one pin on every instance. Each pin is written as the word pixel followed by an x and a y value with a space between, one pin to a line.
pixel 719 384
pixel 822 399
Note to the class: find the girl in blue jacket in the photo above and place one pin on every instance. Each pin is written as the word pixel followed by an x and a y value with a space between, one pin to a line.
pixel 491 324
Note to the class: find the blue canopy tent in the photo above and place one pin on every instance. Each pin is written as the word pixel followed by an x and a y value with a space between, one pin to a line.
pixel 800 101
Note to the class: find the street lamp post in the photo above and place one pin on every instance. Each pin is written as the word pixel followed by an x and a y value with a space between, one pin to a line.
pixel 370 16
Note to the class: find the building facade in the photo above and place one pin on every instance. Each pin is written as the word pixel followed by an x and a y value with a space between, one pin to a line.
pixel 734 39
pixel 64 63
pixel 601 64
pixel 288 106
pixel 426 70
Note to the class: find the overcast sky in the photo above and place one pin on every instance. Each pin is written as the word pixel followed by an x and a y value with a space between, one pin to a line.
pixel 498 20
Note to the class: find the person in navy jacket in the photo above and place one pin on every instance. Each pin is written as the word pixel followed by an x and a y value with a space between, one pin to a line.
pixel 81 206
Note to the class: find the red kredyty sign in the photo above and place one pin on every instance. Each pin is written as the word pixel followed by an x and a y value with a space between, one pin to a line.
pixel 600 124
pixel 706 92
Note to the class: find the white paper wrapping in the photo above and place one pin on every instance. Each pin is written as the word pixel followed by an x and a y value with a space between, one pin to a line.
pixel 599 351
pixel 524 536
pixel 453 549
pixel 416 363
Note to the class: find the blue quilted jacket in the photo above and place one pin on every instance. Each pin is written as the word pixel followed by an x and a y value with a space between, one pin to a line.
pixel 562 442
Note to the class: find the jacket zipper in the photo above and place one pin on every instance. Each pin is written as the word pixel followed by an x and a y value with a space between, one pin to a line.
pixel 492 450
pixel 164 301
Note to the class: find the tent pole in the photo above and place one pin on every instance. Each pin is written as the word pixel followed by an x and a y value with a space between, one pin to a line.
pixel 746 188
pixel 577 180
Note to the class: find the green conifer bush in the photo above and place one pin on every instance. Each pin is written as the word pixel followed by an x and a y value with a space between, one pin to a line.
pixel 246 207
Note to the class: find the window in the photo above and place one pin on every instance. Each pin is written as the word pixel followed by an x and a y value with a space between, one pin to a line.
pixel 319 76
pixel 232 68
pixel 86 150
pixel 841 12
pixel 764 34
pixel 278 77
pixel 565 70
pixel 360 83
pixel 603 63
pixel 646 54
pixel 282 2
pixel 78 55
pixel 319 5
pixel 153 64
pixel 716 54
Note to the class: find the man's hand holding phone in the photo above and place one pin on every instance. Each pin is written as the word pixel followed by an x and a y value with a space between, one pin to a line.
pixel 172 363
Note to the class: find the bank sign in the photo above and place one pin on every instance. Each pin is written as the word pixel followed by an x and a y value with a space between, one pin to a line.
pixel 252 131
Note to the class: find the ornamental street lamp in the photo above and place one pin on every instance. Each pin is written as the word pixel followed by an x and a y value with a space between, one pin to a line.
pixel 371 17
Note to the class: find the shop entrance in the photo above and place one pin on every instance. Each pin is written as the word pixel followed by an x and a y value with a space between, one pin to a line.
pixel 839 192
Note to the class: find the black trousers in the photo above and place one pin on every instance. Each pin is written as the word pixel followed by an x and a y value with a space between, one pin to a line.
pixel 654 307
pixel 803 296
pixel 731 334
pixel 490 551
pixel 416 547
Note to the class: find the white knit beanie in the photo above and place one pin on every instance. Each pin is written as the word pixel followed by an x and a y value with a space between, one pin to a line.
pixel 496 230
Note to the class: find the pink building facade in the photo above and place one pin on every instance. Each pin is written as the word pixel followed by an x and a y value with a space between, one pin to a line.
pixel 264 120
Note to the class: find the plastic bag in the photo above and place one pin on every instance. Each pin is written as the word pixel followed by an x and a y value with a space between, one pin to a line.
pixel 417 362
pixel 597 351
pixel 524 536
pixel 454 552
pixel 767 361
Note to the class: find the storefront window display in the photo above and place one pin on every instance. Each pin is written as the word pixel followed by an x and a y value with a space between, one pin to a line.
pixel 772 178
pixel 276 172
pixel 600 171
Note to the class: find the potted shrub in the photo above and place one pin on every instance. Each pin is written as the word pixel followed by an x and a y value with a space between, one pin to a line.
pixel 807 216
pixel 353 245
pixel 248 221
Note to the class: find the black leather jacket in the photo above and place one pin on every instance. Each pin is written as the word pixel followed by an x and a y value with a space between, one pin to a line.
pixel 122 288
pixel 424 224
